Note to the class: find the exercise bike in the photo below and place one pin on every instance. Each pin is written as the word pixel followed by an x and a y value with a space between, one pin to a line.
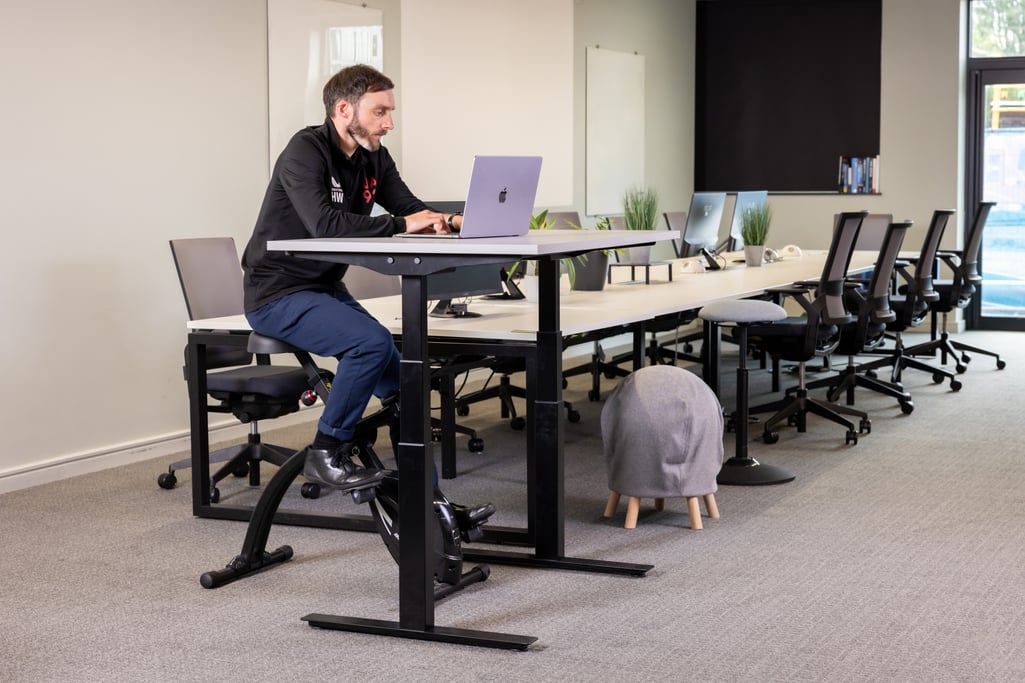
pixel 383 500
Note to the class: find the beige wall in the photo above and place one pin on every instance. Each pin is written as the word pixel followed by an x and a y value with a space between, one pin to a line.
pixel 129 122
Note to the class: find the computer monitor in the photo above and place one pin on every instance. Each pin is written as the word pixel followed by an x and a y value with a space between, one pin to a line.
pixel 745 200
pixel 703 219
pixel 460 283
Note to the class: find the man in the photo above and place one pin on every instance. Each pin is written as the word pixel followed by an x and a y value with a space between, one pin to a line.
pixel 325 184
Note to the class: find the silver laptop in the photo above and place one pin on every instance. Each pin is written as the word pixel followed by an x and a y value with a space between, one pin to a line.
pixel 500 200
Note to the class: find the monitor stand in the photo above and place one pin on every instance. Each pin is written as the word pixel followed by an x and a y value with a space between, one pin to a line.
pixel 511 290
pixel 446 309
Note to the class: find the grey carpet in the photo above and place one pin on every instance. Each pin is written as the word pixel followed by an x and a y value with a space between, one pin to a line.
pixel 898 559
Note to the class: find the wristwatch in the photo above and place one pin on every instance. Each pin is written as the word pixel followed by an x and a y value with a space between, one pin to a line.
pixel 449 222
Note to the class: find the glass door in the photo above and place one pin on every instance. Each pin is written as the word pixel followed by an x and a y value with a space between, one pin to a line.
pixel 998 158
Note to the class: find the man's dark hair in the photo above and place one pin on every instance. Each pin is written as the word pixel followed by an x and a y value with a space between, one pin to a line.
pixel 352 83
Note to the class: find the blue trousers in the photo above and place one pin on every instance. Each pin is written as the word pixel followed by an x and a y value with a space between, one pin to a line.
pixel 334 324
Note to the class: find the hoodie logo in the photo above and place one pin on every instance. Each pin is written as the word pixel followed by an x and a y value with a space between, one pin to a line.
pixel 337 196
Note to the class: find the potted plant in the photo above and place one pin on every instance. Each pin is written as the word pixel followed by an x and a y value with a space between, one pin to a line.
pixel 640 212
pixel 541 221
pixel 592 268
pixel 753 230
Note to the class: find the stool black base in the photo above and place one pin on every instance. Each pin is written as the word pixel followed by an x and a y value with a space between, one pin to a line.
pixel 750 472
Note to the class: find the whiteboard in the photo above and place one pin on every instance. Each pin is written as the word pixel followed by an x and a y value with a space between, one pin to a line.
pixel 614 129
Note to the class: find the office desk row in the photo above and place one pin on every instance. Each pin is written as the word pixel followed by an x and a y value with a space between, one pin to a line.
pixel 535 329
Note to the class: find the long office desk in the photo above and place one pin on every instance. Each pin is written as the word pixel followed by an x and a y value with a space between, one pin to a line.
pixel 556 315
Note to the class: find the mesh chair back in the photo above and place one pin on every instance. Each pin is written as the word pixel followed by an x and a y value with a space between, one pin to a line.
pixel 564 220
pixel 880 284
pixel 211 276
pixel 970 276
pixel 211 280
pixel 677 220
pixel 829 296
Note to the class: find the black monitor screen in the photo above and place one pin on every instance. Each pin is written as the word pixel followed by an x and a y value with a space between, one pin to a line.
pixel 460 283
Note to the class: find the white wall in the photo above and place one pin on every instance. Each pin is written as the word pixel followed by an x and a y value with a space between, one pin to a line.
pixel 486 78
pixel 126 123
pixel 129 122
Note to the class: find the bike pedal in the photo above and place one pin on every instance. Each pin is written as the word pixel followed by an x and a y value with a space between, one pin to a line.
pixel 364 495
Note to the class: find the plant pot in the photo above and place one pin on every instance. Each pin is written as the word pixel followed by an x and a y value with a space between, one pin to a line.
pixel 590 275
pixel 754 254
pixel 638 256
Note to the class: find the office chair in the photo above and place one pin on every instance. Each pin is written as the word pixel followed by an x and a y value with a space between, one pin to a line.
pixel 815 334
pixel 211 282
pixel 915 294
pixel 957 292
pixel 870 306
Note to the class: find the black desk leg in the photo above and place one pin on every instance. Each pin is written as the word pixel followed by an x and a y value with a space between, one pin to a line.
pixel 545 458
pixel 416 489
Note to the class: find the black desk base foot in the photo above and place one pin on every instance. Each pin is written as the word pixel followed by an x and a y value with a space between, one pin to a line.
pixel 571 563
pixel 439 634
pixel 750 472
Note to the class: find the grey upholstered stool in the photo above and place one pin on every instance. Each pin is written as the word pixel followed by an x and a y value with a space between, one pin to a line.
pixel 741 469
pixel 662 433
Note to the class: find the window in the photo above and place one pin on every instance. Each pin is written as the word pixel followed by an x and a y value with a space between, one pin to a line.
pixel 998 28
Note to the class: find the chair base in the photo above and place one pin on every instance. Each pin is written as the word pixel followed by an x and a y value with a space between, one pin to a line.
pixel 795 411
pixel 633 507
pixel 238 460
pixel 750 472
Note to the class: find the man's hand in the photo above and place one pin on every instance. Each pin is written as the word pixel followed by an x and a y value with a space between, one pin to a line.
pixel 426 221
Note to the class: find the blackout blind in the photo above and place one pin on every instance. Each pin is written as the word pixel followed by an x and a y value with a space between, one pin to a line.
pixel 783 88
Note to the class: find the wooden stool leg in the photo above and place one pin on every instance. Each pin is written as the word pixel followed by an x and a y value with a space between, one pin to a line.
pixel 695 513
pixel 713 509
pixel 610 507
pixel 660 504
pixel 633 507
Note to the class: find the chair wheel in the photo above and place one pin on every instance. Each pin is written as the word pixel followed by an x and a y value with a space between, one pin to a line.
pixel 955 385
pixel 937 378
pixel 573 415
pixel 907 407
pixel 1001 365
pixel 475 445
pixel 565 382
pixel 960 368
pixel 310 489
pixel 593 395
pixel 167 480
pixel 770 437
pixel 240 470
pixel 463 411
pixel 852 437
pixel 215 495
pixel 965 358
pixel 865 426
pixel 517 423
pixel 871 373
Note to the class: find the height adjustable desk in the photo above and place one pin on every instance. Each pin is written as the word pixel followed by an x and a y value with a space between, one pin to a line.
pixel 414 260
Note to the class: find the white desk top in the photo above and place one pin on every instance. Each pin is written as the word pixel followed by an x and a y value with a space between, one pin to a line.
pixel 620 303
pixel 534 243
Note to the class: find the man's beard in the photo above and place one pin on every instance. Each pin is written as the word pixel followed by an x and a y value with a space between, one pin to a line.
pixel 362 137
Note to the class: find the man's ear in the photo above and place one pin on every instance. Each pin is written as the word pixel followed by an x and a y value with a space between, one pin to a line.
pixel 343 110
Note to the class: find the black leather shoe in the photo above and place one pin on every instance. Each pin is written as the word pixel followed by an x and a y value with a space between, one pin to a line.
pixel 334 467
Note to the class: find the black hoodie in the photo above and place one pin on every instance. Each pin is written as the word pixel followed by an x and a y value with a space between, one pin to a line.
pixel 317 191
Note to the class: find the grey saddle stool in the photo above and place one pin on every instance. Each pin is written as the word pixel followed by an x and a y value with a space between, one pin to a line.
pixel 741 469
pixel 662 434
